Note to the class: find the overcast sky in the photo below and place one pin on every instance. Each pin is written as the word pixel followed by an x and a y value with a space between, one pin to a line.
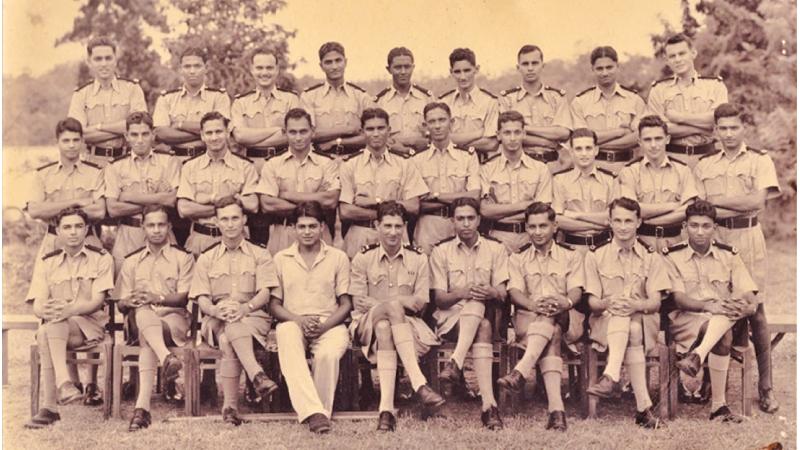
pixel 369 28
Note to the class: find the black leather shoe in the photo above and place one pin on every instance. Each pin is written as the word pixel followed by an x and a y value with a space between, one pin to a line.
pixel 513 382
pixel 491 419
pixel 690 364
pixel 263 385
pixel 42 419
pixel 646 419
pixel 429 398
pixel 170 369
pixel 604 388
pixel 725 415
pixel 319 423
pixel 556 420
pixel 705 392
pixel 141 419
pixel 92 396
pixel 231 416
pixel 452 374
pixel 767 401
pixel 386 421
pixel 68 393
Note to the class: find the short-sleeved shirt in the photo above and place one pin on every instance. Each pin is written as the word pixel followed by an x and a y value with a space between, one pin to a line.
pixel 92 104
pixel 405 112
pixel 335 107
pixel 388 177
pixel 592 109
pixel 611 270
pixel 150 174
pixel 454 265
pixel 448 170
pixel 574 191
pixel 554 272
pixel 55 182
pixel 238 273
pixel 747 172
pixel 476 110
pixel 257 110
pixel 165 272
pixel 703 94
pixel 312 290
pixel 204 180
pixel 316 172
pixel 716 275
pixel 505 182
pixel 178 105
pixel 644 181
pixel 60 276
pixel 546 108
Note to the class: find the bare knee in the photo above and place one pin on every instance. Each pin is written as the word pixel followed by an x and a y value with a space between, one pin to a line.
pixel 484 333
pixel 383 335
pixel 635 335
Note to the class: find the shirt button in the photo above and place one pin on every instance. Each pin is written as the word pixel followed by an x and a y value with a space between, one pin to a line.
pixel 391 285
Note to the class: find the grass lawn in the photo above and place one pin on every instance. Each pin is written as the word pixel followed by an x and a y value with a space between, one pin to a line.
pixel 83 428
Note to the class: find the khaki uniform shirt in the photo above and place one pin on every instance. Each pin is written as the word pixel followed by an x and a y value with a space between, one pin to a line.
pixel 645 182
pixel 405 113
pixel 591 109
pixel 389 177
pixel 573 191
pixel 717 275
pixel 257 110
pixel 703 94
pixel 60 276
pixel 334 107
pixel 164 273
pixel 545 108
pixel 91 104
pixel 238 273
pixel 504 182
pixel 477 110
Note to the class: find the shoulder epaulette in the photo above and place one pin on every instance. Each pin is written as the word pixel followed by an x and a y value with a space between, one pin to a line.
pixel 425 91
pixel 488 92
pixel 630 89
pixel 47 165
pixel 91 164
pixel 446 94
pixel 560 91
pixel 241 156
pixel 320 153
pixel 288 91
pixel 417 152
pixel 220 90
pixel 674 248
pixel 53 253
pixel 135 251
pixel 352 155
pixel 710 154
pixel 100 250
pixel 311 88
pixel 444 240
pixel 369 247
pixel 595 247
pixel 119 158
pixel 662 80
pixel 584 91
pixel 491 238
pixel 129 80
pixel 211 246
pixel 757 150
pixel 718 78
pixel 165 92
pixel 402 154
pixel 469 150
pixel 245 94
pixel 675 160
pixel 257 244
pixel 510 91
pixel 161 152
pixel 83 85
pixel 565 245
pixel 413 248
pixel 193 157
pixel 382 93
pixel 278 152
pixel 524 247
pixel 634 161
pixel 353 85
pixel 606 171
pixel 563 171
pixel 649 248
pixel 491 158
pixel 178 247
pixel 727 247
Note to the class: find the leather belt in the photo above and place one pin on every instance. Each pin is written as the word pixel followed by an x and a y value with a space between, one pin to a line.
pixel 690 150
pixel 268 152
pixel 130 221
pixel 363 223
pixel 108 221
pixel 344 149
pixel 518 227
pixel 615 155
pixel 590 241
pixel 112 152
pixel 444 211
pixel 206 229
pixel 659 231
pixel 190 151
pixel 545 156
pixel 738 222
pixel 259 220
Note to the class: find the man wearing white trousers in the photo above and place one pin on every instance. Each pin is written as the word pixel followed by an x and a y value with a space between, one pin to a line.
pixel 311 302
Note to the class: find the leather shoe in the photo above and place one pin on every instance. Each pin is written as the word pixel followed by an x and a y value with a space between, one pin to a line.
pixel 491 418
pixel 513 382
pixel 429 398
pixel 690 364
pixel 263 385
pixel 646 419
pixel 170 369
pixel 68 393
pixel 452 373
pixel 556 420
pixel 725 415
pixel 141 419
pixel 386 421
pixel 231 415
pixel 42 419
pixel 91 396
pixel 604 388
pixel 319 423
pixel 767 401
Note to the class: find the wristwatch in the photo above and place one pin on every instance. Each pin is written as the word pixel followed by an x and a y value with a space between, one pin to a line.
pixel 252 308
pixel 338 142
pixel 162 299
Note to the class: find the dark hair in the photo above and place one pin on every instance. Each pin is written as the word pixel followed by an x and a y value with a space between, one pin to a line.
pixel 727 110
pixel 226 201
pixel 462 54
pixel 374 113
pixel 297 113
pixel 677 39
pixel 465 201
pixel 330 47
pixel 391 208
pixel 436 105
pixel 625 203
pixel 266 51
pixel 540 208
pixel 580 133
pixel 149 209
pixel 530 48
pixel 308 209
pixel 213 115
pixel 510 116
pixel 653 121
pixel 603 52
pixel 100 41
pixel 398 51
pixel 72 211
pixel 69 124
pixel 138 118
pixel 701 208
pixel 194 51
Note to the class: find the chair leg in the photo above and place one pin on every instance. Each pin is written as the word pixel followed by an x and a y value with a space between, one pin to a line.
pixel 673 381
pixel 747 382
pixel 663 381
pixel 189 397
pixel 107 355
pixel 116 404
pixel 591 367
pixel 36 368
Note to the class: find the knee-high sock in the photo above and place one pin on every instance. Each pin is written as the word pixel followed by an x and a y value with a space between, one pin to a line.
pixel 387 372
pixel 229 372
pixel 551 372
pixel 150 330
pixel 718 370
pixel 147 374
pixel 242 342
pixel 618 329
pixel 48 374
pixel 482 363
pixel 468 322
pixel 57 335
pixel 635 362
pixel 404 343
pixel 717 327
pixel 539 334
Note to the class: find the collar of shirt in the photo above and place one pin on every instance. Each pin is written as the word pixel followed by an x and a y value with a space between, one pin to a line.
pixel 368 156
pixel 597 94
pixel 637 248
pixel 82 253
pixel 666 162
pixel 462 245
pixel 77 166
pixel 693 78
pixel 329 87
pixel 692 253
pixel 201 93
pixel 383 255
pixel 550 252
pixel 576 174
pixel 742 151
pixel 310 156
pixel 96 85
pixel 241 246
pixel 523 92
pixel 294 252
pixel 393 92
pixel 468 96
pixel 267 96
pixel 146 158
pixel 227 159
pixel 523 160
pixel 447 150
pixel 149 251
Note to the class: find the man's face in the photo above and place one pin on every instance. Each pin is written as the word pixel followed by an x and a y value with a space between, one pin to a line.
pixel 309 231
pixel 390 231
pixel 215 135
pixel 511 134
pixel 333 64
pixel 376 131
pixel 231 221
pixel 653 141
pixel 140 137
pixel 466 221
pixel 624 223
pixel 680 58
pixel 540 229
pixel 299 133
pixel 463 72
pixel 401 69
pixel 530 65
pixel 605 71
pixel 584 151
pixel 439 124
pixel 265 70
pixel 102 62
pixel 72 231
pixel 156 227
pixel 701 230
pixel 193 70
pixel 70 144
pixel 730 132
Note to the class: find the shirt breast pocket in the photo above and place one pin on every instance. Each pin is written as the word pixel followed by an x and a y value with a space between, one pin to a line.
pixel 527 187
pixel 458 179
pixel 501 184
pixel 719 279
pixel 220 282
pixel 230 186
pixel 714 184
pixel 457 276
pixel 389 186
pixel 612 280
pixel 377 283
pixel 247 276
pixel 406 279
pixel 312 179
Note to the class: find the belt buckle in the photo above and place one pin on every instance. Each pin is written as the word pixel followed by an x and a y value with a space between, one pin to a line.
pixel 659 230
pixel 270 152
pixel 518 228
pixel 609 156
pixel 690 150
pixel 590 241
